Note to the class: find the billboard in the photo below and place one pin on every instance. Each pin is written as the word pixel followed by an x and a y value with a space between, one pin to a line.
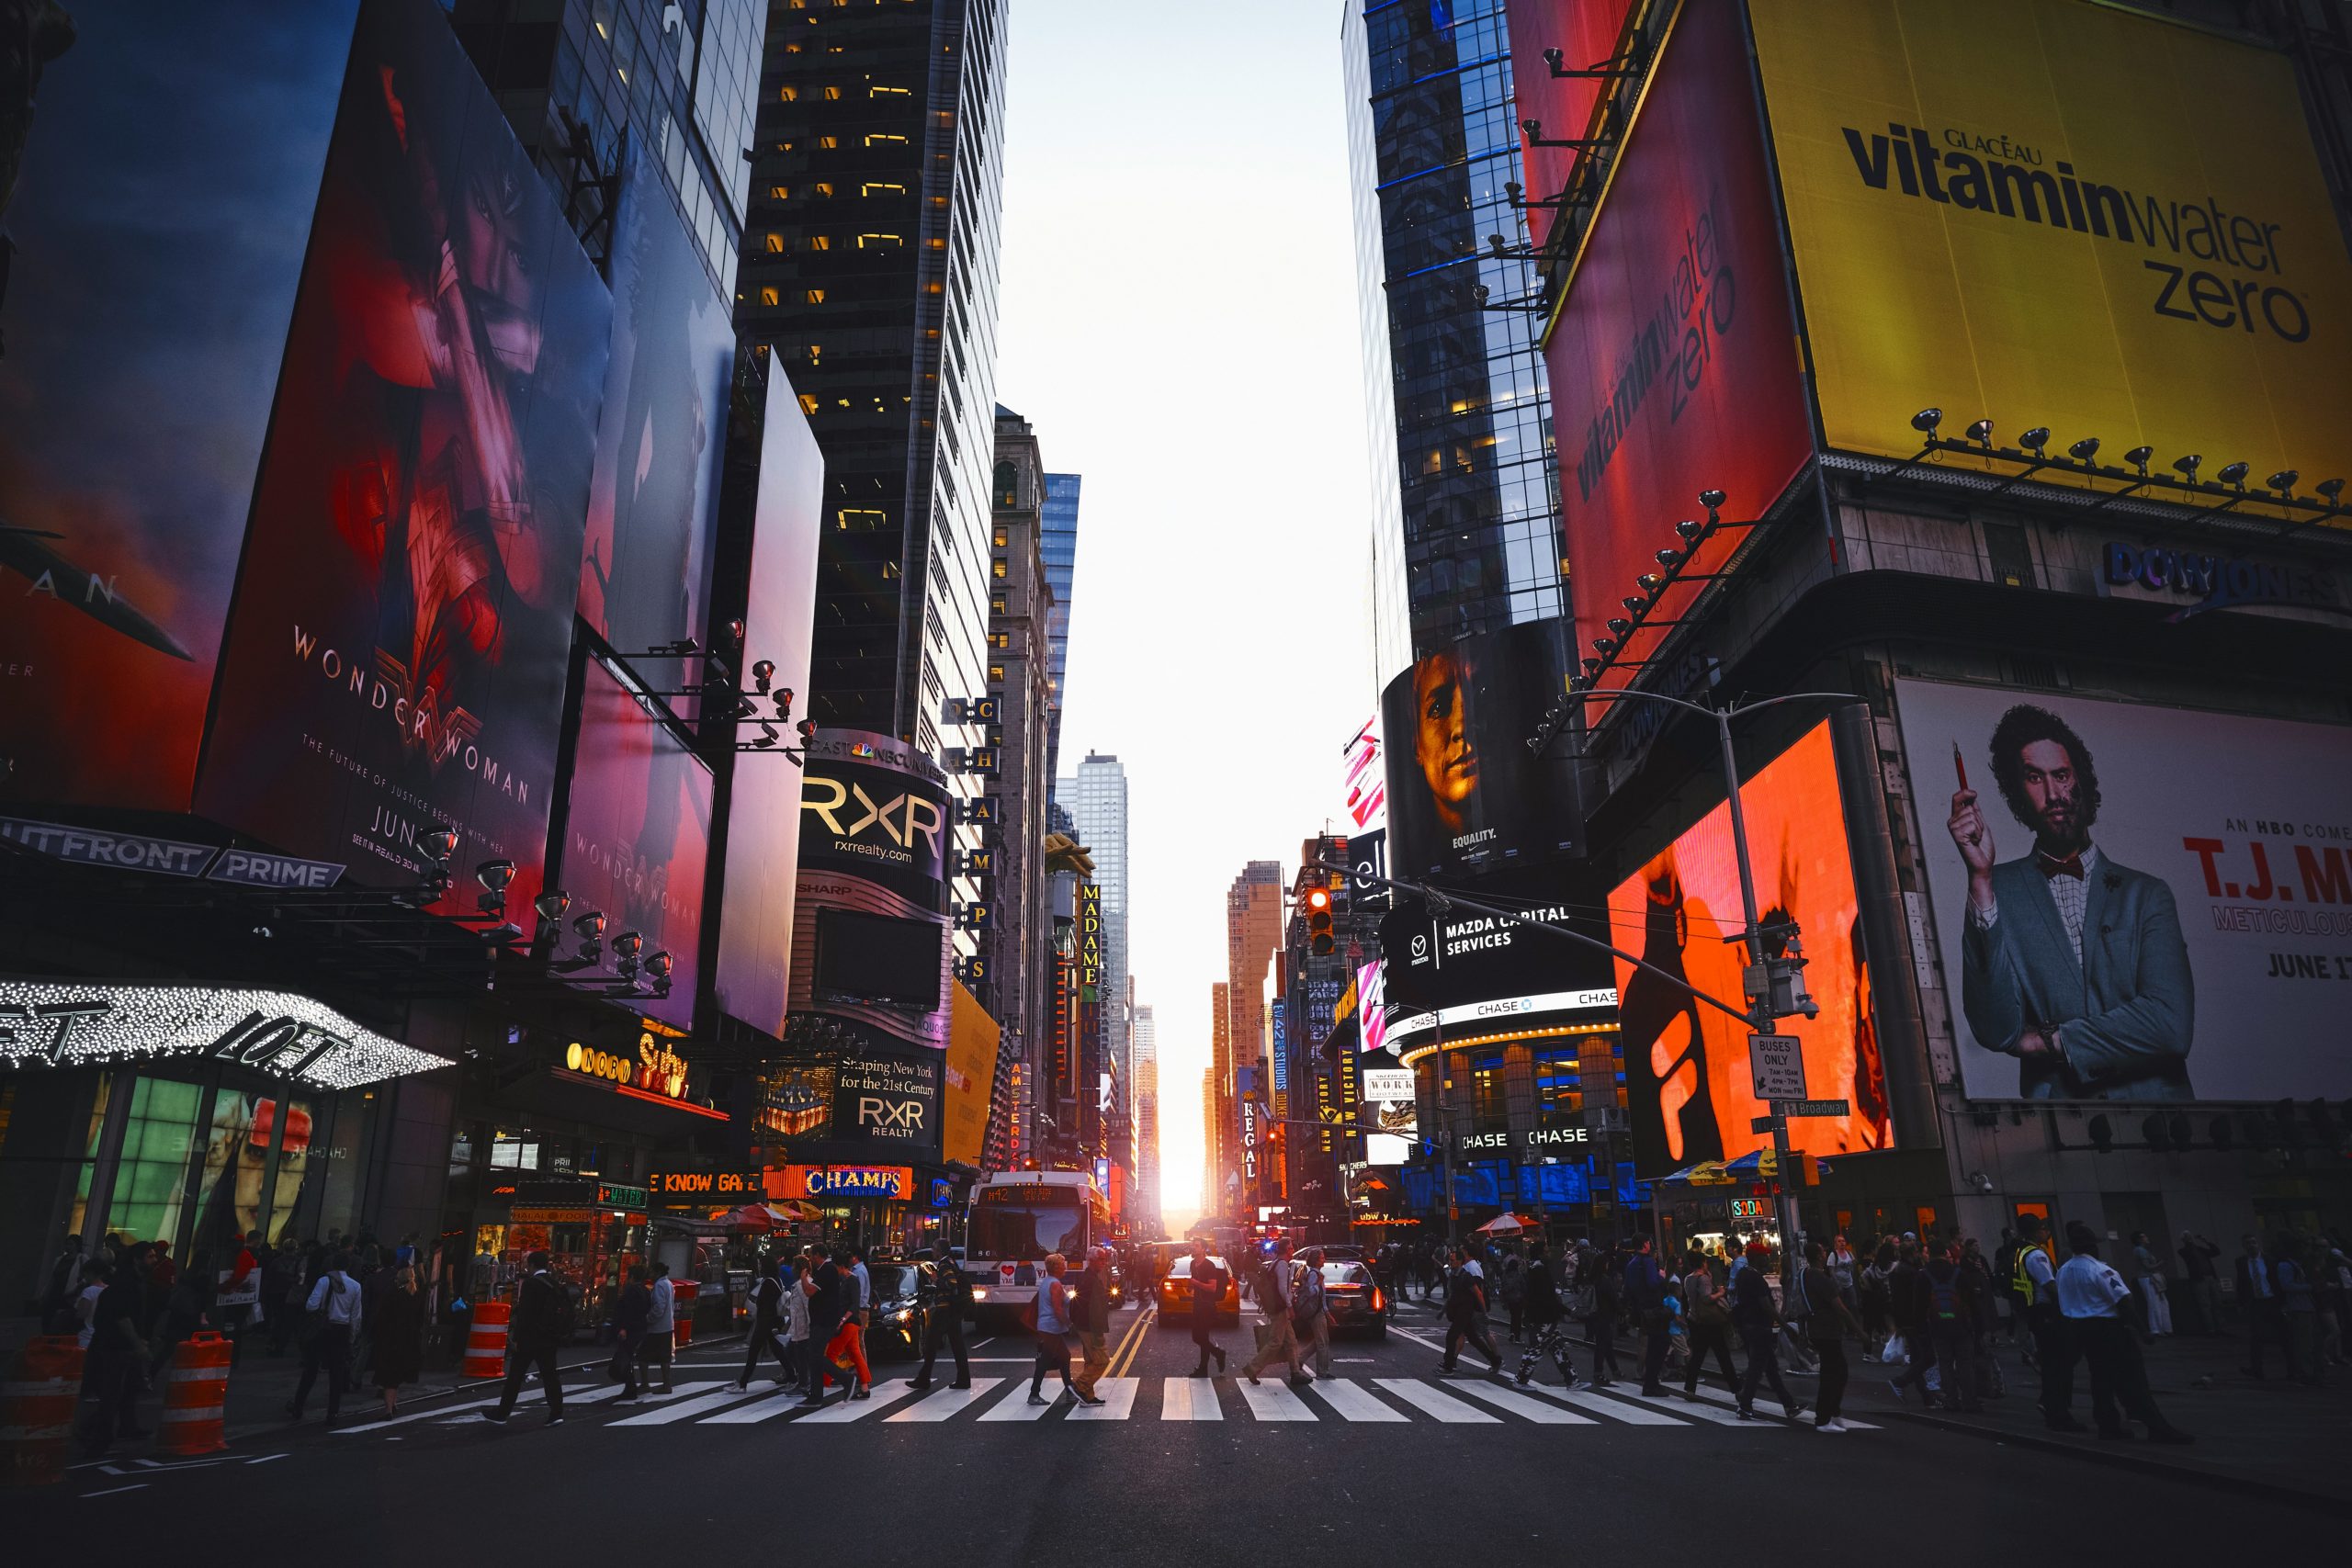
pixel 637 837
pixel 1585 33
pixel 1465 796
pixel 874 830
pixel 755 928
pixel 1688 1082
pixel 645 573
pixel 159 165
pixel 2061 213
pixel 403 629
pixel 2196 953
pixel 1673 358
pixel 972 1040
pixel 1388 1098
pixel 1365 782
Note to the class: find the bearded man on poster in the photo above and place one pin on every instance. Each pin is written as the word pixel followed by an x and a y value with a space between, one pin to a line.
pixel 2072 964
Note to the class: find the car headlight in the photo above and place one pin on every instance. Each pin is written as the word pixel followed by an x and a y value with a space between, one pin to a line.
pixel 979 1293
pixel 902 1315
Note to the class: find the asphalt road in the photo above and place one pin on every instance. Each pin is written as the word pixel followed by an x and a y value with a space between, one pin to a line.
pixel 1382 1461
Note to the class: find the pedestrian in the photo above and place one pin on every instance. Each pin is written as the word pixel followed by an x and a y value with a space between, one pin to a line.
pixel 117 1352
pixel 2035 1279
pixel 2151 1292
pixel 1753 1313
pixel 1090 1317
pixel 1607 1289
pixel 534 1334
pixel 186 1309
pixel 238 1281
pixel 64 1279
pixel 328 1331
pixel 2201 1284
pixel 2091 1295
pixel 767 1298
pixel 847 1347
pixel 1545 1314
pixel 1829 1320
pixel 1466 1317
pixel 1950 1319
pixel 1909 1310
pixel 2298 1307
pixel 1708 1313
pixel 632 1311
pixel 1048 1317
pixel 1877 1299
pixel 1272 1293
pixel 951 1297
pixel 1514 1290
pixel 1985 1301
pixel 2265 1313
pixel 1310 1313
pixel 825 1287
pixel 1645 1297
pixel 2332 1276
pixel 1208 1280
pixel 660 1325
pixel 281 1274
pixel 397 1332
pixel 96 1275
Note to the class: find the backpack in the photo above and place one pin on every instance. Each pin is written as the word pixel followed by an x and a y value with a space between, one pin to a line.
pixel 1943 1295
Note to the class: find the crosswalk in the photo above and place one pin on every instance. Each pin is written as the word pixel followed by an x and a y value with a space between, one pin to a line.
pixel 1332 1400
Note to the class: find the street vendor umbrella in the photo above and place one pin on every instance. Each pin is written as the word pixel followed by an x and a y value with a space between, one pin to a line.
pixel 1502 1225
pixel 1706 1173
pixel 1757 1165
pixel 751 1217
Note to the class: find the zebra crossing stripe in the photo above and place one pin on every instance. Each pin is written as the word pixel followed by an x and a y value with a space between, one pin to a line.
pixel 1118 1397
pixel 768 1409
pixel 1436 1401
pixel 1694 1411
pixel 685 1409
pixel 1015 1406
pixel 1722 1396
pixel 1518 1404
pixel 1273 1401
pixel 1355 1403
pixel 886 1393
pixel 1632 1414
pixel 947 1402
pixel 1189 1399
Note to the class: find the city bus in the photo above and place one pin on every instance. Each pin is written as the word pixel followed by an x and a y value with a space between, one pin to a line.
pixel 1018 1217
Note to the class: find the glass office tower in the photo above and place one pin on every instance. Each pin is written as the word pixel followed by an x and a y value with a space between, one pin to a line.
pixel 1456 395
pixel 1057 534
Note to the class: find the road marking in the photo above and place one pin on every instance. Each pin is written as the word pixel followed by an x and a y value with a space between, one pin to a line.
pixel 444 1413
pixel 1015 1406
pixel 1683 1407
pixel 1632 1414
pixel 1354 1402
pixel 596 1395
pixel 885 1394
pixel 1189 1399
pixel 766 1409
pixel 1135 1340
pixel 1722 1397
pixel 1445 1406
pixel 1518 1404
pixel 687 1409
pixel 134 1486
pixel 1273 1402
pixel 947 1402
pixel 1118 1397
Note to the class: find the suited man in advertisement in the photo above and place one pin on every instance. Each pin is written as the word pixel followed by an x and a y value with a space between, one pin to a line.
pixel 2071 963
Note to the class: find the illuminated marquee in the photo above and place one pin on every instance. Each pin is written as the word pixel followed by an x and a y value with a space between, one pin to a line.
pixel 892 1181
pixel 46 1024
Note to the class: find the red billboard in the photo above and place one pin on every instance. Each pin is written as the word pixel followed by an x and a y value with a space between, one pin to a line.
pixel 755 931
pixel 1586 34
pixel 154 228
pixel 637 838
pixel 1673 361
pixel 396 659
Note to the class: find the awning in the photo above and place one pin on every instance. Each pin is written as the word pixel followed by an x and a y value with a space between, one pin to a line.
pixel 1706 1173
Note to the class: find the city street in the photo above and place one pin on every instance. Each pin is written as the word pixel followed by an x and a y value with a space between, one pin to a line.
pixel 1384 1457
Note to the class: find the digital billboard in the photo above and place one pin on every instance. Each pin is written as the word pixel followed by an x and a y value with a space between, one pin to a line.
pixel 1688 1085
pixel 2050 212
pixel 159 165
pixel 645 574
pixel 402 630
pixel 1465 796
pixel 1673 359
pixel 755 928
pixel 1585 33
pixel 2133 902
pixel 873 832
pixel 973 1038
pixel 637 837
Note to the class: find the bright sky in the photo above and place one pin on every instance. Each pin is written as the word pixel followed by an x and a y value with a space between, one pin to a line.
pixel 1179 326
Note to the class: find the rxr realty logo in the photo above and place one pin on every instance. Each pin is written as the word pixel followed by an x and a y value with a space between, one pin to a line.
pixel 903 818
pixel 890 1117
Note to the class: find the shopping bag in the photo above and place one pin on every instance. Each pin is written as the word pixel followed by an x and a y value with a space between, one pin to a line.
pixel 1895 1351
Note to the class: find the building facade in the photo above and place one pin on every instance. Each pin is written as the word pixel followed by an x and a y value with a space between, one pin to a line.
pixel 1253 933
pixel 1145 1036
pixel 1097 800
pixel 1059 532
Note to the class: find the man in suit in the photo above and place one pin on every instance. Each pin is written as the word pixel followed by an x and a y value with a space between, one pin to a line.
pixel 2072 964
pixel 2264 1305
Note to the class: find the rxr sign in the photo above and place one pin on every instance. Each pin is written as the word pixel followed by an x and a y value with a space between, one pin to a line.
pixel 901 1117
pixel 901 820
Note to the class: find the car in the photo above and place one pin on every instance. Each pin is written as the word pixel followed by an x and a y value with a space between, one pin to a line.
pixel 903 1293
pixel 1354 1298
pixel 1176 1293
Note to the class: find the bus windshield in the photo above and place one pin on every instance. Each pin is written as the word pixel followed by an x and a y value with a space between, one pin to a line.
pixel 1026 1230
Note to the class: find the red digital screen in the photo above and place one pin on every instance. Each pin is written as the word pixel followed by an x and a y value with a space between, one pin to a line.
pixel 396 659
pixel 1674 365
pixel 1585 32
pixel 637 838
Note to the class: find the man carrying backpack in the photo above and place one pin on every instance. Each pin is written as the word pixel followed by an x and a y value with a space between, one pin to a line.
pixel 1947 1320
pixel 1310 1318
pixel 1465 1316
pixel 1272 1293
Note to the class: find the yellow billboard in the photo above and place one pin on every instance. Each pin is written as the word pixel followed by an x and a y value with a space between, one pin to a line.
pixel 972 1040
pixel 2060 213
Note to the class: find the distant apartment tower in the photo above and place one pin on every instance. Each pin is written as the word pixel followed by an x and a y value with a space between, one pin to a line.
pixel 1144 1040
pixel 1466 511
pixel 1220 1128
pixel 1061 534
pixel 870 257
pixel 1096 798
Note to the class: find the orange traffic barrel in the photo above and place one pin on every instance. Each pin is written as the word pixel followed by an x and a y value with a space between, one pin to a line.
pixel 486 1339
pixel 195 1398
pixel 684 1293
pixel 37 1406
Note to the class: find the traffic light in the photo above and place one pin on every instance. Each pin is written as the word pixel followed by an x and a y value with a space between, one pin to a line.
pixel 1318 922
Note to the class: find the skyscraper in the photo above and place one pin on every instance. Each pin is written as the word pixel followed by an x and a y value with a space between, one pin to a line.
pixel 1097 801
pixel 1059 536
pixel 870 265
pixel 1253 932
pixel 1145 1039
pixel 1456 397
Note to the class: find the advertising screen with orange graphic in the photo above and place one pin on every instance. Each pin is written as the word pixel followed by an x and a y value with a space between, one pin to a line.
pixel 1687 1074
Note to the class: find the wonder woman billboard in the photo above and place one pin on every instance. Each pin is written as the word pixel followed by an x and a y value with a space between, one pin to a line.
pixel 396 659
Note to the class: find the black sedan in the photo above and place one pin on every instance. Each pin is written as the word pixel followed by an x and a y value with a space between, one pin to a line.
pixel 1354 1298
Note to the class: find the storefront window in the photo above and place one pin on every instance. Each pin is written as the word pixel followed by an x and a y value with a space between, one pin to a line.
pixel 1559 1097
pixel 1489 1110
pixel 159 1141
